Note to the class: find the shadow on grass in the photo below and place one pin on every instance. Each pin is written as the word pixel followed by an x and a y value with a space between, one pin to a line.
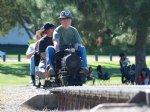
pixel 113 69
pixel 20 70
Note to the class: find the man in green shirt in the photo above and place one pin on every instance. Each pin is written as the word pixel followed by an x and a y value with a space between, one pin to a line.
pixel 64 36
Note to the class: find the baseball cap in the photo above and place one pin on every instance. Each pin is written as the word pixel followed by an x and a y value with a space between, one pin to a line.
pixel 65 14
pixel 49 26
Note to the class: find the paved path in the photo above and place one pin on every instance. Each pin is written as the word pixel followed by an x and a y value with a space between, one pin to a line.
pixel 89 58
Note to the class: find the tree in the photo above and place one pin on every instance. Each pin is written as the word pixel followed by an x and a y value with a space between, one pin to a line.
pixel 132 14
pixel 95 19
pixel 119 16
pixel 27 14
pixel 12 13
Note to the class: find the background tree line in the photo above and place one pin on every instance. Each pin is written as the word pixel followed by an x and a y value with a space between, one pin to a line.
pixel 103 24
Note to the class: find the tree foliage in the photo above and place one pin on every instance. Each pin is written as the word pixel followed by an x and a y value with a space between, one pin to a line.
pixel 99 21
pixel 133 14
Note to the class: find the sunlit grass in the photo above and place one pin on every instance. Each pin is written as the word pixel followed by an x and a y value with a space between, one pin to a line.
pixel 17 73
pixel 14 73
pixel 16 56
pixel 112 68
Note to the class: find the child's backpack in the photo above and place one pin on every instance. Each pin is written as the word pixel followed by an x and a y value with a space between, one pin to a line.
pixel 132 70
pixel 131 73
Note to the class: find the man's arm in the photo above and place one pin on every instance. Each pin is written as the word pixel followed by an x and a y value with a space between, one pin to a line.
pixel 78 37
pixel 30 51
pixel 30 55
pixel 127 61
pixel 56 37
pixel 56 45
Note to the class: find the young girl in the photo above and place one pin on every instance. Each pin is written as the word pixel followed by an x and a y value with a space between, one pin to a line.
pixel 124 62
pixel 143 78
pixel 90 73
pixel 99 71
pixel 101 75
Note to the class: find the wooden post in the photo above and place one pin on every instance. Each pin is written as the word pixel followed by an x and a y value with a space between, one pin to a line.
pixel 110 56
pixel 19 57
pixel 4 58
pixel 96 57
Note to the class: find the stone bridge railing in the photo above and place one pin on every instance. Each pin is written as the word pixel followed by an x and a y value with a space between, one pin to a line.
pixel 70 98
pixel 87 97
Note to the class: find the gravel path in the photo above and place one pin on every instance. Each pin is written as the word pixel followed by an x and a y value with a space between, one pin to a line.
pixel 11 97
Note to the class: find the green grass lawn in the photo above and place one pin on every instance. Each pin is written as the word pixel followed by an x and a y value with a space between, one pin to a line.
pixel 14 73
pixel 110 67
pixel 16 56
pixel 18 73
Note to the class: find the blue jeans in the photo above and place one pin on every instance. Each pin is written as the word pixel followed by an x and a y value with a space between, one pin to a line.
pixel 32 66
pixel 82 51
pixel 50 51
pixel 124 74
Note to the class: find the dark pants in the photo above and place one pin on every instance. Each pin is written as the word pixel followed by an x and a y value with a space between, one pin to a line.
pixel 37 58
pixel 124 74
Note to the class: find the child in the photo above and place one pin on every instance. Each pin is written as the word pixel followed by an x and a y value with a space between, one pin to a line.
pixel 89 73
pixel 131 73
pixel 30 55
pixel 143 78
pixel 124 62
pixel 101 75
pixel 99 71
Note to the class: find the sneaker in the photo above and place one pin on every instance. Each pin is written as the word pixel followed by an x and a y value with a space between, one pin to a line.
pixel 47 84
pixel 40 74
pixel 51 71
pixel 34 84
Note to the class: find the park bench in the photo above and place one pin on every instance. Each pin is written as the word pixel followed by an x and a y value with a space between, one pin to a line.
pixel 3 55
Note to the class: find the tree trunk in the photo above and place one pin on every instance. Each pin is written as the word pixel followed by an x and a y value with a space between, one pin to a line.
pixel 21 22
pixel 26 29
pixel 24 26
pixel 140 55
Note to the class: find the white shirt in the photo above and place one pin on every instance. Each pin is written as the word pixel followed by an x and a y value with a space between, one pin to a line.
pixel 126 62
pixel 30 49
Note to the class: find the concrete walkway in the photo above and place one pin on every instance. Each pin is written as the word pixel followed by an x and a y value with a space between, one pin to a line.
pixel 89 59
